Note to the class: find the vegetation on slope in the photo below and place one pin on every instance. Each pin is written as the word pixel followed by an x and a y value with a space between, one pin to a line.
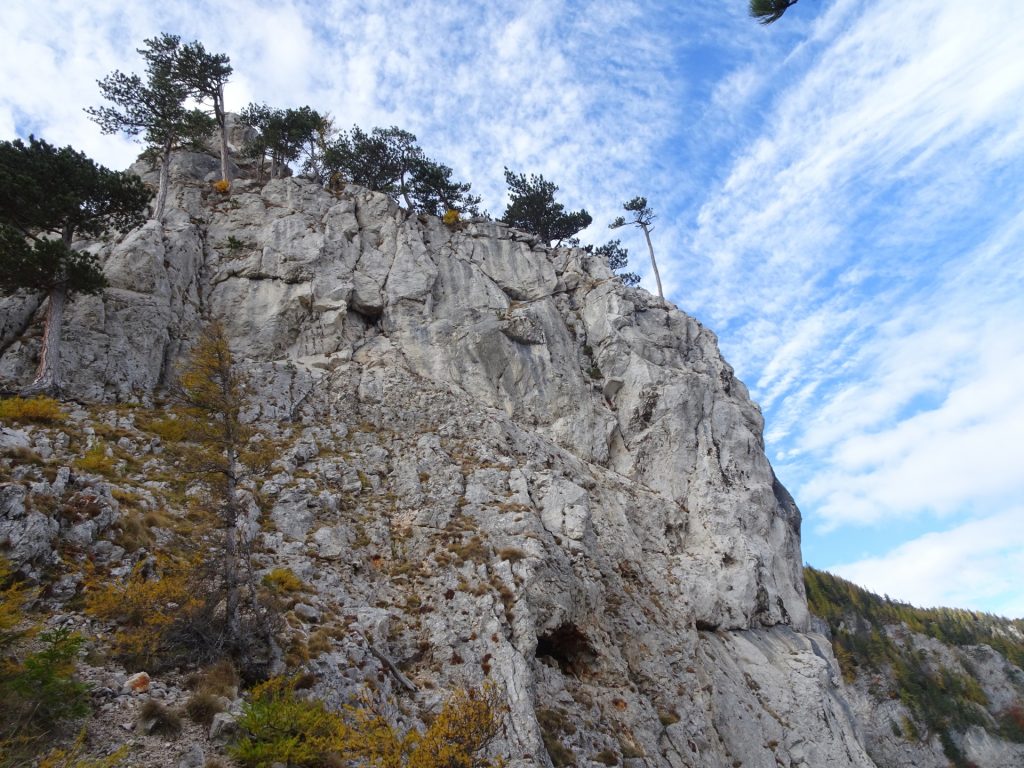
pixel 869 637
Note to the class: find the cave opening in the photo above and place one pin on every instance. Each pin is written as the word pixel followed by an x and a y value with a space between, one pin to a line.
pixel 567 647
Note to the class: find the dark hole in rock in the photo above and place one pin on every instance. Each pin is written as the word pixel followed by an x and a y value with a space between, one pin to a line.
pixel 370 315
pixel 706 626
pixel 568 648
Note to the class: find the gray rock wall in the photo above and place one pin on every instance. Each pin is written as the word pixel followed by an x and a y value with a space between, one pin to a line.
pixel 637 566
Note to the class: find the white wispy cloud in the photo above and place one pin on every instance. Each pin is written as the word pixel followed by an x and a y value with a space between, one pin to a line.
pixel 570 90
pixel 978 561
pixel 863 256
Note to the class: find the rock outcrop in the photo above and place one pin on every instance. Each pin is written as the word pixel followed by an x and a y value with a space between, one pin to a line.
pixel 507 465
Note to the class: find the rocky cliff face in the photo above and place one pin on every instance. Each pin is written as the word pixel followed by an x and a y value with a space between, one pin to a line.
pixel 506 464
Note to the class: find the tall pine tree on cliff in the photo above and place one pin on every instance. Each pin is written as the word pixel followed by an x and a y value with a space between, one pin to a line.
pixel 48 196
pixel 642 217
pixel 155 107
pixel 206 74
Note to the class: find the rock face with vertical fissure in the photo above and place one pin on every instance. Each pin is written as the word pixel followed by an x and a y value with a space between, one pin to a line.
pixel 567 465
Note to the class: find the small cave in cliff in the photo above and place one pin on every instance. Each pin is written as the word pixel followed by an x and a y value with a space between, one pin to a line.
pixel 567 647
pixel 369 315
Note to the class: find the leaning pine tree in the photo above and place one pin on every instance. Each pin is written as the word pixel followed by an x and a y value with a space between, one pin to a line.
pixel 48 197
pixel 642 216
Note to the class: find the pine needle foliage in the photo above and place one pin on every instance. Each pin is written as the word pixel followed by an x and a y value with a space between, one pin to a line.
pixel 532 207
pixel 769 11
pixel 38 687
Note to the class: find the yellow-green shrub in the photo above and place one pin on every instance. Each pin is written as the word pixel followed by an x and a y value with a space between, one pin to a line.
pixel 72 756
pixel 278 726
pixel 284 580
pixel 96 461
pixel 13 595
pixel 146 610
pixel 222 186
pixel 451 217
pixel 168 428
pixel 37 410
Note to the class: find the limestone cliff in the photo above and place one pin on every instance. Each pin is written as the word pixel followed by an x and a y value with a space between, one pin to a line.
pixel 507 464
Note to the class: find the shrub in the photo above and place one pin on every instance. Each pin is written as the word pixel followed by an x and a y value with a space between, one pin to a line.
pixel 72 757
pixel 96 461
pixel 36 410
pixel 167 427
pixel 465 726
pixel 283 581
pixel 219 679
pixel 668 718
pixel 512 554
pixel 451 217
pixel 39 692
pixel 1011 723
pixel 146 609
pixel 278 727
pixel 223 186
pixel 13 595
pixel 557 751
pixel 155 718
pixel 202 707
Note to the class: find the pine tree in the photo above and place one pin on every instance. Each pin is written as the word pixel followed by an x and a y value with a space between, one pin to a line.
pixel 154 107
pixel 617 258
pixel 642 217
pixel 283 135
pixel 210 390
pixel 48 197
pixel 389 160
pixel 206 74
pixel 769 11
pixel 532 207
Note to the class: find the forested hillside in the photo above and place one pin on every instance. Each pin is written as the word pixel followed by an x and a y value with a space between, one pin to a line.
pixel 930 660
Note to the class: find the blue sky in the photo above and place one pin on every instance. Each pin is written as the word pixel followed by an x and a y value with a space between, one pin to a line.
pixel 840 197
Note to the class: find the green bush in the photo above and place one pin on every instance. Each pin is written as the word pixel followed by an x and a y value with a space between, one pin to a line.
pixel 39 692
pixel 279 727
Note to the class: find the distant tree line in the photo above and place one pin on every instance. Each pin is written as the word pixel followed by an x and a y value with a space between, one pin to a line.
pixel 942 700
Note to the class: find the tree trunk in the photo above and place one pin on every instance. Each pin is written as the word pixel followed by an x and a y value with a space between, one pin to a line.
pixel 232 610
pixel 403 189
pixel 654 264
pixel 165 178
pixel 218 109
pixel 47 381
